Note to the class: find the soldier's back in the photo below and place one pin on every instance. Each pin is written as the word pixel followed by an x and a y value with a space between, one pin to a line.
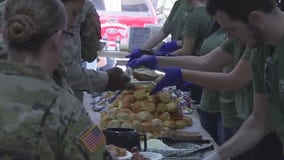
pixel 38 119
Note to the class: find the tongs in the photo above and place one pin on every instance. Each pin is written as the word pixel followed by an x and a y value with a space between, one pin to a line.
pixel 186 155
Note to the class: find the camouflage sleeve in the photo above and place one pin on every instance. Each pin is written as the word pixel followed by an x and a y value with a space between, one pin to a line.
pixel 81 79
pixel 3 48
pixel 90 32
pixel 68 121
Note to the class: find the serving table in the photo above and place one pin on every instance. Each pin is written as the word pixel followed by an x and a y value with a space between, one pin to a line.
pixel 195 129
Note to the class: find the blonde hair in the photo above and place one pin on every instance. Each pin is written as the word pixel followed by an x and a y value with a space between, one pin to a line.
pixel 29 23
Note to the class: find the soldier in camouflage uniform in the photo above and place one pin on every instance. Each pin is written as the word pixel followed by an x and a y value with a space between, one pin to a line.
pixel 39 119
pixel 85 44
pixel 3 50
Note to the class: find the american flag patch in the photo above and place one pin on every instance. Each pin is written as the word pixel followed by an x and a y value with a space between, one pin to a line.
pixel 93 138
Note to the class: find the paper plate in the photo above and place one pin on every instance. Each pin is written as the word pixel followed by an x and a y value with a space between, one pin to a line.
pixel 127 157
pixel 151 155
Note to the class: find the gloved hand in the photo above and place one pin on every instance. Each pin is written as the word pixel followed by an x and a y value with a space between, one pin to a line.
pixel 135 53
pixel 118 80
pixel 149 61
pixel 172 76
pixel 167 48
pixel 186 86
pixel 213 156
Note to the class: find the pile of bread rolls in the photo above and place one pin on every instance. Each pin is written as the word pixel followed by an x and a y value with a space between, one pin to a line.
pixel 154 115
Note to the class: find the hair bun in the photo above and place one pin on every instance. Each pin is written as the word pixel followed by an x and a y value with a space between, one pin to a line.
pixel 20 28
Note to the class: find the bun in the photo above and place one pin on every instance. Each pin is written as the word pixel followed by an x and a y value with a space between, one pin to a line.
pixel 144 74
pixel 20 29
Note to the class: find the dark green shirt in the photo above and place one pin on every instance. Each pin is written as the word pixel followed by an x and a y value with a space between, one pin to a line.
pixel 274 80
pixel 228 101
pixel 177 18
pixel 196 26
pixel 210 98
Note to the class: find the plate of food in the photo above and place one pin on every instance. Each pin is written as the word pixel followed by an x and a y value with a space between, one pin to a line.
pixel 147 156
pixel 119 153
pixel 128 156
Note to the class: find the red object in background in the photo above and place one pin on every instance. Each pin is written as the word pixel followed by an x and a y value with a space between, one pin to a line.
pixel 117 16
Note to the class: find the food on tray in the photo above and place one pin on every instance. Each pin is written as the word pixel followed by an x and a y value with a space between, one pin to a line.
pixel 116 151
pixel 144 74
pixel 137 156
pixel 154 115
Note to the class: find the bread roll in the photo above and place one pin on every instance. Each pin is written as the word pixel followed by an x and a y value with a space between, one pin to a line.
pixel 180 124
pixel 188 120
pixel 153 98
pixel 124 104
pixel 165 97
pixel 161 107
pixel 124 116
pixel 178 115
pixel 114 124
pixel 148 106
pixel 165 116
pixel 140 94
pixel 172 107
pixel 145 116
pixel 129 98
pixel 170 123
pixel 157 124
pixel 137 125
pixel 126 124
pixel 136 106
pixel 147 126
pixel 112 113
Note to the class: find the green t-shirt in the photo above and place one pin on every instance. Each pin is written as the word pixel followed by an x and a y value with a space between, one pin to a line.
pixel 274 76
pixel 228 99
pixel 244 96
pixel 196 26
pixel 228 110
pixel 257 61
pixel 176 20
pixel 210 98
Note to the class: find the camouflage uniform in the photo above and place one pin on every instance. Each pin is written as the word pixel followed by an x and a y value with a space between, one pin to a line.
pixel 3 49
pixel 83 44
pixel 39 120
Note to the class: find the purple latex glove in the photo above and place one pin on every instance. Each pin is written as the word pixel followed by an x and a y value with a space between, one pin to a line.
pixel 172 77
pixel 135 53
pixel 186 85
pixel 167 48
pixel 149 61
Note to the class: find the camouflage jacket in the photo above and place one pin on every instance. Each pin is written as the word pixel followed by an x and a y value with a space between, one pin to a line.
pixel 86 32
pixel 3 48
pixel 39 120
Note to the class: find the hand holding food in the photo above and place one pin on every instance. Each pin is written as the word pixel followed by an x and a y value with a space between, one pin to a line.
pixel 148 61
pixel 118 80
pixel 172 77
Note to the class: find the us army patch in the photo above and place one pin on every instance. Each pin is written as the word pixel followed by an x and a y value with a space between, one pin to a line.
pixel 93 138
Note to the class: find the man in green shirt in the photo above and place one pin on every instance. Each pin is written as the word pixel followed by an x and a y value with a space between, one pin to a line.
pixel 255 22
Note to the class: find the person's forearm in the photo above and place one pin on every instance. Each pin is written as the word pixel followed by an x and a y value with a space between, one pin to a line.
pixel 251 132
pixel 246 138
pixel 186 47
pixel 238 78
pixel 212 80
pixel 187 62
pixel 181 52
pixel 212 62
pixel 154 40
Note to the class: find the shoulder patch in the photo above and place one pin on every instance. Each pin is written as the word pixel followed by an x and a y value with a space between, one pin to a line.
pixel 93 138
